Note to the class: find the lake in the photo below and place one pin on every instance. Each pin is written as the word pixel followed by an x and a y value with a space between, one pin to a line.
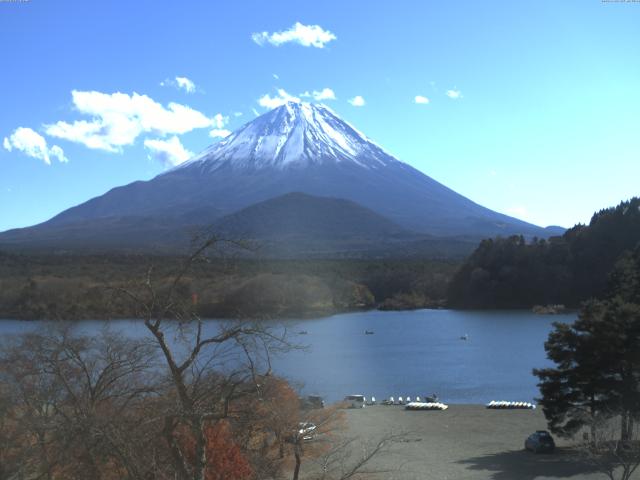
pixel 410 353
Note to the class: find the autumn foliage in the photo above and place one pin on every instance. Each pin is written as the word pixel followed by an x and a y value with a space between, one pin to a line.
pixel 74 407
pixel 225 460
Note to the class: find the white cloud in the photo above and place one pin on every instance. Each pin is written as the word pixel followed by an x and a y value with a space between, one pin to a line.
pixel 276 76
pixel 219 122
pixel 454 94
pixel 237 114
pixel 357 101
pixel 186 84
pixel 34 145
pixel 95 134
pixel 305 35
pixel 181 83
pixel 267 101
pixel 219 133
pixel 517 211
pixel 318 96
pixel 169 152
pixel 419 99
pixel 118 119
pixel 255 112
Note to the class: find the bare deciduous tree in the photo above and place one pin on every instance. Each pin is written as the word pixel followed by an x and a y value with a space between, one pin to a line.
pixel 76 402
pixel 332 455
pixel 603 448
pixel 351 458
pixel 237 351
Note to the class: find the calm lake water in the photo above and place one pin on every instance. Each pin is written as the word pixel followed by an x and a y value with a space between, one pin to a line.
pixel 410 353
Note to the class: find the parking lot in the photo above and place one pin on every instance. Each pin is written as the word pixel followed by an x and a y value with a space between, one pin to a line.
pixel 464 442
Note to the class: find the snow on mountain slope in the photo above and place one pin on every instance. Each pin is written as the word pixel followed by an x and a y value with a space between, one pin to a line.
pixel 294 134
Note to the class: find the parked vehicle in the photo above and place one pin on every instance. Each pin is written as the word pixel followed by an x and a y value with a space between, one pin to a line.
pixel 311 401
pixel 540 442
pixel 306 432
pixel 433 398
pixel 356 401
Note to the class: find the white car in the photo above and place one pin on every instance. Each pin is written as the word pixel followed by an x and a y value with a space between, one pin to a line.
pixel 306 431
pixel 356 401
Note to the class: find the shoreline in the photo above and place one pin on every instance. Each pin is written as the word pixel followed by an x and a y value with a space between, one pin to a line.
pixel 302 316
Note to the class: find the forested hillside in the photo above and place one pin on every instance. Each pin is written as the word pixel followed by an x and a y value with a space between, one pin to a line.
pixel 81 286
pixel 513 273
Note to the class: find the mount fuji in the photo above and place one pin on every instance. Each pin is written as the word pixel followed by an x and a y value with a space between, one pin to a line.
pixel 297 147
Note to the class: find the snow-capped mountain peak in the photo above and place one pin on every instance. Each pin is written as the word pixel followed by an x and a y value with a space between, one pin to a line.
pixel 294 134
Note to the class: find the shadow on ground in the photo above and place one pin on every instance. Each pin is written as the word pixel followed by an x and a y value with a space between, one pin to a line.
pixel 524 465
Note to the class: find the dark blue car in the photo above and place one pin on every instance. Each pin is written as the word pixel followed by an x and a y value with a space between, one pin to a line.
pixel 540 442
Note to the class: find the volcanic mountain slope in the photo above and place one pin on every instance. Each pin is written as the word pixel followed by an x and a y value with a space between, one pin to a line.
pixel 301 225
pixel 298 147
pixel 298 215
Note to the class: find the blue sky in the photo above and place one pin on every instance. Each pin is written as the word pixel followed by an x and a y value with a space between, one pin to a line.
pixel 533 107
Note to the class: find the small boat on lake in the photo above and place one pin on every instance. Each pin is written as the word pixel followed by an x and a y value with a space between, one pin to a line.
pixel 464 337
pixel 369 332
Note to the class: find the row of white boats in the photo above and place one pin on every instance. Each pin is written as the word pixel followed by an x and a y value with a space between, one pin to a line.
pixel 502 404
pixel 407 400
pixel 426 406
pixel 429 403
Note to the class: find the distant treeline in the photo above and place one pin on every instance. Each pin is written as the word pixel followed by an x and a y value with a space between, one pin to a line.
pixel 513 273
pixel 85 286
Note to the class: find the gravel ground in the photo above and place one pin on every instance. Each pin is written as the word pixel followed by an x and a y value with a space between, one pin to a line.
pixel 464 442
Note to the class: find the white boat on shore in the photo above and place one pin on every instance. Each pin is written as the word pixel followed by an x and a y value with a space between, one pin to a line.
pixel 425 406
pixel 505 405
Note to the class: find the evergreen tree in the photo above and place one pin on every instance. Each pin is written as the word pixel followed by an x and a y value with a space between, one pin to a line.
pixel 512 273
pixel 597 372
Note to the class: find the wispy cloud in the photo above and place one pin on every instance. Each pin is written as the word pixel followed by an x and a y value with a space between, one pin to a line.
pixel 34 145
pixel 421 100
pixel 357 101
pixel 267 101
pixel 169 152
pixel 518 211
pixel 181 83
pixel 319 95
pixel 219 122
pixel 282 97
pixel 454 94
pixel 219 133
pixel 118 119
pixel 305 35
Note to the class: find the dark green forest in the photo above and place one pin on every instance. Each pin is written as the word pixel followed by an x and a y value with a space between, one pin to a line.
pixel 515 273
